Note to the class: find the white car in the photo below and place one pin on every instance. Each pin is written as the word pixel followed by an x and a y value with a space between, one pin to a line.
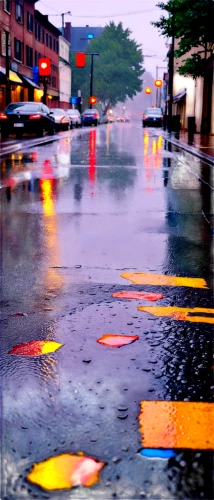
pixel 75 117
pixel 62 121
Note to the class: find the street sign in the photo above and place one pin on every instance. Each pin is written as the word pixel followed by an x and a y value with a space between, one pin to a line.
pixel 75 100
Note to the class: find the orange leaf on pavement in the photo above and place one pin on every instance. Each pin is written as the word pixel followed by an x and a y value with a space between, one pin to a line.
pixel 65 471
pixel 138 296
pixel 181 313
pixel 112 340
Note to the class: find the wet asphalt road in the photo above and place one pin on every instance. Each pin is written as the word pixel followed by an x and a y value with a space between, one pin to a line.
pixel 76 213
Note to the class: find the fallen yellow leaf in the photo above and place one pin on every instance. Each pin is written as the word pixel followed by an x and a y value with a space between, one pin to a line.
pixel 180 313
pixel 164 280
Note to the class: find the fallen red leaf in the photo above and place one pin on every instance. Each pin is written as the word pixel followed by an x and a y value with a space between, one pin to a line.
pixel 112 340
pixel 19 314
pixel 138 296
pixel 35 348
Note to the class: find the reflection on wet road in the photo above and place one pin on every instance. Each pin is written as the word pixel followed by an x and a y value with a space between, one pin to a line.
pixel 86 354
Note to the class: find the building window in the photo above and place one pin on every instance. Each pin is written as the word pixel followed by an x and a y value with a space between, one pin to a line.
pixel 18 49
pixel 36 58
pixel 50 42
pixel 54 45
pixel 29 56
pixel 7 6
pixel 53 81
pixel 30 22
pixel 43 35
pixel 3 44
pixel 19 12
pixel 47 38
pixel 57 47
pixel 37 32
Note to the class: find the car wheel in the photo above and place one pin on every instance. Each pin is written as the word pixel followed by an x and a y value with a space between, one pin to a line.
pixel 4 135
pixel 52 131
pixel 42 132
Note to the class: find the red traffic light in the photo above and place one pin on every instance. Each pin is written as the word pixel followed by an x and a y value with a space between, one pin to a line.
pixel 80 59
pixel 44 66
pixel 158 83
pixel 92 100
pixel 148 90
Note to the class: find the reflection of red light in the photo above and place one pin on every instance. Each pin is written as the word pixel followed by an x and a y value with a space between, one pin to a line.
pixel 34 156
pixel 92 156
pixel 47 169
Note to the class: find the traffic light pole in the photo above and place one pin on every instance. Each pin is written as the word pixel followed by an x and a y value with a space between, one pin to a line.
pixel 44 97
pixel 171 71
pixel 92 54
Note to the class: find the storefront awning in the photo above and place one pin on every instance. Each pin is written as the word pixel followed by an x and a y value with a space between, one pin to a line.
pixel 13 77
pixel 53 93
pixel 30 82
pixel 179 96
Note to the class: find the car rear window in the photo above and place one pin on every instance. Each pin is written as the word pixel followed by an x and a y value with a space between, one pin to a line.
pixel 90 111
pixel 153 111
pixel 57 112
pixel 72 112
pixel 23 107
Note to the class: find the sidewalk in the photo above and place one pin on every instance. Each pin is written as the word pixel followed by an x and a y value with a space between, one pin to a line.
pixel 197 144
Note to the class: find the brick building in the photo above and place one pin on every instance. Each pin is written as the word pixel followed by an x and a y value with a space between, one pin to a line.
pixel 30 36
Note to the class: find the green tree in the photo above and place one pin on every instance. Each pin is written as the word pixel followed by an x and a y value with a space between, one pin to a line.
pixel 192 23
pixel 117 70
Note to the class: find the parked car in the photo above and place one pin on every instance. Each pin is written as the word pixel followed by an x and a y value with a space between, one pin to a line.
pixel 75 117
pixel 26 117
pixel 111 119
pixel 62 121
pixel 91 117
pixel 103 119
pixel 153 117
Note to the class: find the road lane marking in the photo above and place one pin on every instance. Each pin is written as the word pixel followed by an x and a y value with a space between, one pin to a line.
pixel 177 424
pixel 163 280
pixel 65 471
pixel 180 313
pixel 152 297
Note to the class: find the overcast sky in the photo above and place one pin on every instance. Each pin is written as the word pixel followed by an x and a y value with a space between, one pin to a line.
pixel 134 14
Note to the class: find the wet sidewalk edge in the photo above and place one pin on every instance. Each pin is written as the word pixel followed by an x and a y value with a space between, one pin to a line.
pixel 190 149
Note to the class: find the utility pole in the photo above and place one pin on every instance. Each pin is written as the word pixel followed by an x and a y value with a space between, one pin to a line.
pixel 171 72
pixel 7 69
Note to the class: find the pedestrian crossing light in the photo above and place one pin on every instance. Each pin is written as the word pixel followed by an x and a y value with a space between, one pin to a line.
pixel 148 90
pixel 44 66
pixel 158 83
pixel 80 59
pixel 92 100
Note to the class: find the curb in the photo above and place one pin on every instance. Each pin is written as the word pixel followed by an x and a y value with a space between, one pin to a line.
pixel 190 149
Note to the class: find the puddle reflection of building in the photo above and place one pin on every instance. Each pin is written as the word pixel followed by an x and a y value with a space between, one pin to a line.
pixel 108 135
pixel 92 159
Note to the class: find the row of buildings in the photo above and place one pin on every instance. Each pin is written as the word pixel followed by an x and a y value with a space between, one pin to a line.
pixel 193 99
pixel 25 36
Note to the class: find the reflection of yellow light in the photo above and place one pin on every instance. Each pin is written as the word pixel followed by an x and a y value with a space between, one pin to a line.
pixel 50 97
pixel 46 187
pixel 163 280
pixel 154 147
pixel 20 157
pixel 159 142
pixel 180 313
pixel 177 424
pixel 65 471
